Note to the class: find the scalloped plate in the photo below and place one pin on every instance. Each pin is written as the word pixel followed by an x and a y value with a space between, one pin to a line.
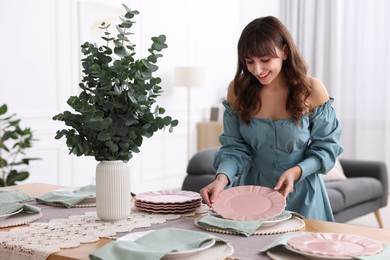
pixel 249 203
pixel 335 245
pixel 168 197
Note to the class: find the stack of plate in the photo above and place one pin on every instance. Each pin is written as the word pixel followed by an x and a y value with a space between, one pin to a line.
pixel 168 201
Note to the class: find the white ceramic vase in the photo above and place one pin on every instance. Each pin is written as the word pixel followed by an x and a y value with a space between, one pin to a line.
pixel 113 190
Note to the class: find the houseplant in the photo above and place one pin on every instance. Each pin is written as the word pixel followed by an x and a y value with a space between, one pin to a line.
pixel 14 140
pixel 116 107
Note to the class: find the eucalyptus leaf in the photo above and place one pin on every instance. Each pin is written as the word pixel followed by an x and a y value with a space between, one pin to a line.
pixel 3 109
pixel 117 106
pixel 14 141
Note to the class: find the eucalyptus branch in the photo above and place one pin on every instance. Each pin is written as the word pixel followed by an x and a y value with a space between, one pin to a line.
pixel 13 143
pixel 115 83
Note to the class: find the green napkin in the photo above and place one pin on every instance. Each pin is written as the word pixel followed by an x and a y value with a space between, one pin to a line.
pixel 246 228
pixel 282 240
pixel 13 196
pixel 153 245
pixel 11 201
pixel 11 207
pixel 69 198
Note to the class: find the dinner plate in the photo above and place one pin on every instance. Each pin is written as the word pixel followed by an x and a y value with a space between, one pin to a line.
pixel 172 255
pixel 186 253
pixel 315 257
pixel 167 211
pixel 335 245
pixel 285 215
pixel 168 196
pixel 167 206
pixel 249 203
pixel 4 216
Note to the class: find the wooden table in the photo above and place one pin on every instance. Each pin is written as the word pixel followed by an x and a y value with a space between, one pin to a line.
pixel 82 252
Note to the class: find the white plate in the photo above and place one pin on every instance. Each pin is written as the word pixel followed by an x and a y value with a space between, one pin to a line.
pixel 173 255
pixel 182 254
pixel 2 217
pixel 285 215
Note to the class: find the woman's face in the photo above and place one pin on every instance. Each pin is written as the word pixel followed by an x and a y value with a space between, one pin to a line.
pixel 266 68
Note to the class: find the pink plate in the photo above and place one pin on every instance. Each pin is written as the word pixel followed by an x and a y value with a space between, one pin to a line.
pixel 249 203
pixel 167 206
pixel 167 211
pixel 335 245
pixel 168 197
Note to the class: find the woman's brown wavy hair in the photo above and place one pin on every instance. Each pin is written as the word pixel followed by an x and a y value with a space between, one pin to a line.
pixel 259 38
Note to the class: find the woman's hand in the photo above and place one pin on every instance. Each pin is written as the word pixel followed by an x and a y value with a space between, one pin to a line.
pixel 285 184
pixel 211 191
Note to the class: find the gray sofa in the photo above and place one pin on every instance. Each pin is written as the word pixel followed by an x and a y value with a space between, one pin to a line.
pixel 364 191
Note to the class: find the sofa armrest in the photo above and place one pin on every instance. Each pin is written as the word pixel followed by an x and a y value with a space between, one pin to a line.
pixel 362 168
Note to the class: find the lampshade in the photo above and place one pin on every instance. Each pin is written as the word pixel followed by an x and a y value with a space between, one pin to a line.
pixel 189 77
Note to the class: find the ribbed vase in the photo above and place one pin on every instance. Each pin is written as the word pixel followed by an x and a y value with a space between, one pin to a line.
pixel 113 190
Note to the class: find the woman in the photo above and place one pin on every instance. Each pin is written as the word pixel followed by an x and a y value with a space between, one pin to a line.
pixel 280 130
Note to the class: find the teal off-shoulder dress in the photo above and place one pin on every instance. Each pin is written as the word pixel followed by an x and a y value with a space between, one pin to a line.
pixel 259 152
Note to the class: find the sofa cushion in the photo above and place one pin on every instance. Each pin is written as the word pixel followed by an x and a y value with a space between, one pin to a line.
pixel 356 190
pixel 336 173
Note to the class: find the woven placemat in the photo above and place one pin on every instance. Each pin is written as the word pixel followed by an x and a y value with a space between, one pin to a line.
pixel 290 225
pixel 20 219
pixel 87 203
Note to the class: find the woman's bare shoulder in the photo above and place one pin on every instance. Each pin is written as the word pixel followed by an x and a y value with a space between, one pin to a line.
pixel 319 95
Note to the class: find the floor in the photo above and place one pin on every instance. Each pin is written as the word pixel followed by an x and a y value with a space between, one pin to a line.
pixel 369 220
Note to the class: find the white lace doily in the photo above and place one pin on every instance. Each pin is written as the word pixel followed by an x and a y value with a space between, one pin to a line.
pixel 39 240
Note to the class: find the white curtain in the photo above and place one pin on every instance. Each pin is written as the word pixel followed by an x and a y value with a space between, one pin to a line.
pixel 346 44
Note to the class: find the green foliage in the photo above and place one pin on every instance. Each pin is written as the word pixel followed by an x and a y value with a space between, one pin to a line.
pixel 13 142
pixel 116 107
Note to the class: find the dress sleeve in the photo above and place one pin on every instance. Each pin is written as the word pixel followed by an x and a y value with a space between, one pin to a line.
pixel 324 146
pixel 234 155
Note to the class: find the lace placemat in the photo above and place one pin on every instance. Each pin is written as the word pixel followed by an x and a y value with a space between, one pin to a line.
pixel 19 219
pixel 39 240
pixel 290 225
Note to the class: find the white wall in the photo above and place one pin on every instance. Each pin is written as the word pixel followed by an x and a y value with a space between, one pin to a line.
pixel 40 69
